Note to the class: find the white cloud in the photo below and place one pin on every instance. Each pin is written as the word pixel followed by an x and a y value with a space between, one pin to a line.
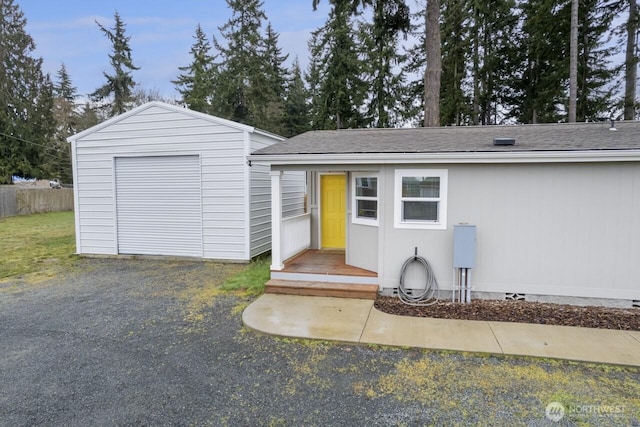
pixel 81 23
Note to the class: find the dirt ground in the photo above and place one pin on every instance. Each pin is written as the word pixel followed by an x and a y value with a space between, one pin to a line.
pixel 145 342
pixel 520 311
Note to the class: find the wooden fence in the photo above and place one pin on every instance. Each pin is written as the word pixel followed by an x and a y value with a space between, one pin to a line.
pixel 25 201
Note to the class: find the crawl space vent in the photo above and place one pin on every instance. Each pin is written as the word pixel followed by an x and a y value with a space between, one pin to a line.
pixel 514 296
pixel 504 141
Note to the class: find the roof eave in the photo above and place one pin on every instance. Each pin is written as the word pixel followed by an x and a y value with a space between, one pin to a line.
pixel 458 157
pixel 218 120
pixel 268 134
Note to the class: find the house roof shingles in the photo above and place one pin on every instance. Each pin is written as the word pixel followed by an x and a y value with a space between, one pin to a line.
pixel 463 139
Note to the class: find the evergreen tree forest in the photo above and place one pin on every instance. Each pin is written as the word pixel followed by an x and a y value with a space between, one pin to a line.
pixel 499 62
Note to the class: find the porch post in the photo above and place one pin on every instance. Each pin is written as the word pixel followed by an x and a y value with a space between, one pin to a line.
pixel 276 220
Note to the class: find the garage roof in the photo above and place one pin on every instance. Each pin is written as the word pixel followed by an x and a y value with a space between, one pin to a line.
pixel 174 108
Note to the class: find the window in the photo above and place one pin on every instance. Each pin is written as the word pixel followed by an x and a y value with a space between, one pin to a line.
pixel 364 199
pixel 421 198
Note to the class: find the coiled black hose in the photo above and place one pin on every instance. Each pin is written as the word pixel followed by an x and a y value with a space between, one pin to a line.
pixel 428 296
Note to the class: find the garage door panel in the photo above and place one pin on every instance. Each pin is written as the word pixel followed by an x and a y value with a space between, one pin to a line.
pixel 159 207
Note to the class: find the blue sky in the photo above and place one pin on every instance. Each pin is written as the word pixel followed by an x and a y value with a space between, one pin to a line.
pixel 161 34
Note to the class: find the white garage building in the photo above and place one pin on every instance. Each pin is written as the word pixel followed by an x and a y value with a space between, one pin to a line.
pixel 165 180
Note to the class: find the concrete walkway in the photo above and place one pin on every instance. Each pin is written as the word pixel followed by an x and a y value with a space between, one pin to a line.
pixel 357 321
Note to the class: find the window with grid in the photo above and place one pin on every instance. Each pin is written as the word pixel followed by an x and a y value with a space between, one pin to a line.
pixel 365 199
pixel 421 198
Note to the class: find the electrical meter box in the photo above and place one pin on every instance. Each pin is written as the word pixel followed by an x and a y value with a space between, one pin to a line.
pixel 464 246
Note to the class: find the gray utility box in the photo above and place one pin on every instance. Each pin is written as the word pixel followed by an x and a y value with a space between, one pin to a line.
pixel 464 246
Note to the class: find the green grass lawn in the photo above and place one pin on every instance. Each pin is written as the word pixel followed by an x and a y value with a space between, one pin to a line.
pixel 36 243
pixel 252 278
pixel 45 243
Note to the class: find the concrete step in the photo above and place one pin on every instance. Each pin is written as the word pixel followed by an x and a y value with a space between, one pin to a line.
pixel 323 289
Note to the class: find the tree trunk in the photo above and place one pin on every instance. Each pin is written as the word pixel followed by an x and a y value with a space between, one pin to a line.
pixel 630 64
pixel 476 68
pixel 434 65
pixel 573 62
pixel 487 78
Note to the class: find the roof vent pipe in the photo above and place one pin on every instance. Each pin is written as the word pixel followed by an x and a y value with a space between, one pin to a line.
pixel 613 124
pixel 504 141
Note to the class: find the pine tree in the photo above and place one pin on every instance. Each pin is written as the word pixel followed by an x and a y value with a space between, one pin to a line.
pixel 268 94
pixel 314 78
pixel 594 73
pixel 26 125
pixel 241 63
pixel 276 72
pixel 538 85
pixel 415 65
pixel 541 85
pixel 296 108
pixel 118 89
pixel 66 117
pixel 55 157
pixel 65 103
pixel 335 73
pixel 197 80
pixel 494 58
pixel 456 46
pixel 88 117
pixel 384 74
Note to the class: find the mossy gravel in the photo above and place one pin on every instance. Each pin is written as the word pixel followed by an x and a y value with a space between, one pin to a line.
pixel 157 342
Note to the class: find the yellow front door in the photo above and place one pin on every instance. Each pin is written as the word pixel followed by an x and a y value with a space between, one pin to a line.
pixel 333 210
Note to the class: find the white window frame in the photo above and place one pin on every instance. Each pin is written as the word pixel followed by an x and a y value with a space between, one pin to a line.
pixel 355 219
pixel 441 224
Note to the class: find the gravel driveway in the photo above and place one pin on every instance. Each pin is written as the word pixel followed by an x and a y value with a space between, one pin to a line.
pixel 146 342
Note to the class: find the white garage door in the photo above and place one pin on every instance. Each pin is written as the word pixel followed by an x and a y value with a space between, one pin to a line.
pixel 158 202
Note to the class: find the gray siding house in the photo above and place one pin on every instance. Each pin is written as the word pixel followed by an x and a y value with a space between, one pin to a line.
pixel 557 214
pixel 165 180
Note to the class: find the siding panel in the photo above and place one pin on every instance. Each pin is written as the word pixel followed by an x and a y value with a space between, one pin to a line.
pixel 223 202
pixel 259 188
pixel 293 192
pixel 554 229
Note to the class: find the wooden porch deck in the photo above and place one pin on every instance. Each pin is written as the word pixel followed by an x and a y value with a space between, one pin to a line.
pixel 326 261
pixel 323 273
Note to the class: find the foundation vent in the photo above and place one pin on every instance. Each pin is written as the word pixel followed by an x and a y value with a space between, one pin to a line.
pixel 514 296
pixel 635 303
pixel 504 141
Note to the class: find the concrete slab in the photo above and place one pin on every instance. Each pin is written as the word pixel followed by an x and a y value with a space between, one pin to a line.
pixel 356 320
pixel 564 342
pixel 340 319
pixel 635 335
pixel 442 334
